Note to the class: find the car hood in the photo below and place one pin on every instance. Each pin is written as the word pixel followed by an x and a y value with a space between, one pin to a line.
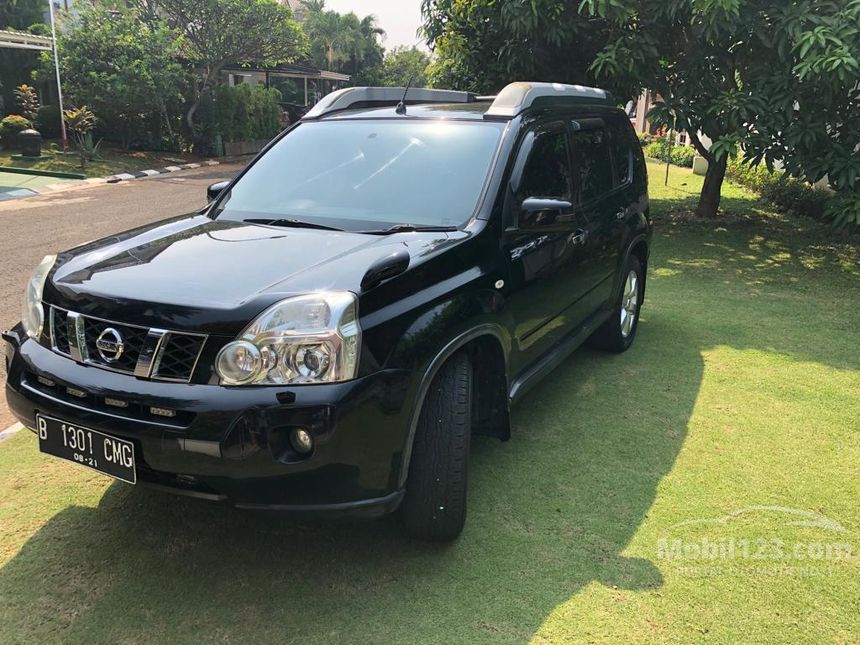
pixel 196 272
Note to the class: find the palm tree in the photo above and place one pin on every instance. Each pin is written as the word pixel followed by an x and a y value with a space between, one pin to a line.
pixel 314 6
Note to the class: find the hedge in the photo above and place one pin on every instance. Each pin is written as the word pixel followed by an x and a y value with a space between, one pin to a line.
pixel 242 113
pixel 676 154
pixel 788 194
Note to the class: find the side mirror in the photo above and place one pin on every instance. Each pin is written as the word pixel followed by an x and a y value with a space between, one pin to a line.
pixel 216 189
pixel 537 212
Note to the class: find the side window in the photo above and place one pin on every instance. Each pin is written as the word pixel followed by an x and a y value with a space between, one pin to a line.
pixel 547 171
pixel 622 157
pixel 592 163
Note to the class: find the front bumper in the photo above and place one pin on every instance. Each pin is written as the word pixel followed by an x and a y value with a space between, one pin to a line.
pixel 231 444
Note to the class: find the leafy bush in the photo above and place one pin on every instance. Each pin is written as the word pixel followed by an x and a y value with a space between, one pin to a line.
pixel 81 122
pixel 661 149
pixel 27 100
pixel 645 138
pixel 843 210
pixel 48 121
pixel 788 194
pixel 683 156
pixel 658 149
pixel 10 126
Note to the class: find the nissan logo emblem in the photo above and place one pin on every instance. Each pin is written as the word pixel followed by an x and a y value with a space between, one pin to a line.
pixel 109 345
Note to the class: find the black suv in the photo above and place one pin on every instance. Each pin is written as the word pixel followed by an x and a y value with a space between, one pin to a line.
pixel 382 282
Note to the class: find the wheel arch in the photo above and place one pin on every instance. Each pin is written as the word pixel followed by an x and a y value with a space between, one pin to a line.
pixel 489 350
pixel 639 248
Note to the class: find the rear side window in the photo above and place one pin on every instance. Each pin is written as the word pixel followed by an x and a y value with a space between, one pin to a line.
pixel 622 155
pixel 592 164
pixel 547 171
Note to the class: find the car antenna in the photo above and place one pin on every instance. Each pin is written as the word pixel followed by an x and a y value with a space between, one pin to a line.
pixel 401 107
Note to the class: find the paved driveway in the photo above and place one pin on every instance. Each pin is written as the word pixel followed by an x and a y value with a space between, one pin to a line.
pixel 32 228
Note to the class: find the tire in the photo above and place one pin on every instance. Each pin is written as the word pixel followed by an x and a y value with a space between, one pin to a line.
pixel 617 333
pixel 434 506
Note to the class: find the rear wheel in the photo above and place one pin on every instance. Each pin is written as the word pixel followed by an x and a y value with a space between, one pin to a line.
pixel 619 331
pixel 434 507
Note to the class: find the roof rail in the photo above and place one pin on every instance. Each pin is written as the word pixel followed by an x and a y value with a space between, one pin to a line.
pixel 517 97
pixel 356 97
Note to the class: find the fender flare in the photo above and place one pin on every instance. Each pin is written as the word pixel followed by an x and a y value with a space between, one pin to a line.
pixel 457 343
pixel 641 237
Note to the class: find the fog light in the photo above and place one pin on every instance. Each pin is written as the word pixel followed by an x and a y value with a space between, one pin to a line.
pixel 302 441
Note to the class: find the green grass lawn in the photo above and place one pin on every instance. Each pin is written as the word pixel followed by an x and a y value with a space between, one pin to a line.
pixel 741 392
pixel 111 161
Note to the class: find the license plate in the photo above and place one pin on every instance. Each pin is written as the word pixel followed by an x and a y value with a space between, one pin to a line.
pixel 90 448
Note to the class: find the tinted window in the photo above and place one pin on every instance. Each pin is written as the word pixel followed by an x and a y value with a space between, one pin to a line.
pixel 620 141
pixel 353 174
pixel 547 171
pixel 592 163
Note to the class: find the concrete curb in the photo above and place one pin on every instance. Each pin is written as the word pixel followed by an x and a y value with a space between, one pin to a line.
pixel 113 179
pixel 8 432
pixel 140 174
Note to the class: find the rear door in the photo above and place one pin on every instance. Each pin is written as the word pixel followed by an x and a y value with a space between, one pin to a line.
pixel 602 204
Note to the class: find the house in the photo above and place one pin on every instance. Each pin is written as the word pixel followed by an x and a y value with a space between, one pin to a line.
pixel 638 110
pixel 300 84
pixel 298 8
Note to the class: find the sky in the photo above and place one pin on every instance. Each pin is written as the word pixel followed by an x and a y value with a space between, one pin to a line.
pixel 399 18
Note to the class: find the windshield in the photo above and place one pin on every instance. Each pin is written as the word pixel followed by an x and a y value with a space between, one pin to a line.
pixel 358 175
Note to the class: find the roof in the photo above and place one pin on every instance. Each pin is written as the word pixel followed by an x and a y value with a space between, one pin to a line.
pixel 21 40
pixel 297 69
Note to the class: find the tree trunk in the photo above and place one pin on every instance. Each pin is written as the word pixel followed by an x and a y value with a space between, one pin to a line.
pixel 209 81
pixel 709 201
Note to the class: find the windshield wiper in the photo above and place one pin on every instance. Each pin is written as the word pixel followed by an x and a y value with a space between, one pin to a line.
pixel 411 228
pixel 292 223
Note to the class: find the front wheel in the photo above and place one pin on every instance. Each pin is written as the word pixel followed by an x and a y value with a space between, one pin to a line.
pixel 434 507
pixel 617 333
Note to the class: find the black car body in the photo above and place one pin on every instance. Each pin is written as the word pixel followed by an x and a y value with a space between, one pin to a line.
pixel 536 267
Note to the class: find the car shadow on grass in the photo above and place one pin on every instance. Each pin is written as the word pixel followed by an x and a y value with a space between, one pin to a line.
pixel 550 511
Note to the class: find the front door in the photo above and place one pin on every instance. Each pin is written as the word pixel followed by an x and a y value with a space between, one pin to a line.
pixel 545 253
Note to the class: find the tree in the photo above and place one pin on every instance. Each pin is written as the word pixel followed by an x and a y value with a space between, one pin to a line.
pixel 778 81
pixel 403 63
pixel 217 33
pixel 344 42
pixel 20 14
pixel 483 45
pixel 124 68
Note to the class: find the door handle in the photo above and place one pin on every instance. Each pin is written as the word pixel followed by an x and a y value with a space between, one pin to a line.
pixel 578 237
pixel 620 215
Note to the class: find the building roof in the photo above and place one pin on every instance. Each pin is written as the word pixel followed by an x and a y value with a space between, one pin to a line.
pixel 21 40
pixel 297 7
pixel 296 69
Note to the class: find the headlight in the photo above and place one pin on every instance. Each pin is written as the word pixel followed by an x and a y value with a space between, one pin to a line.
pixel 33 315
pixel 307 339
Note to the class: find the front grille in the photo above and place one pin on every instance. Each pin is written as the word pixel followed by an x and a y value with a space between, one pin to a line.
pixel 133 338
pixel 130 349
pixel 178 357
